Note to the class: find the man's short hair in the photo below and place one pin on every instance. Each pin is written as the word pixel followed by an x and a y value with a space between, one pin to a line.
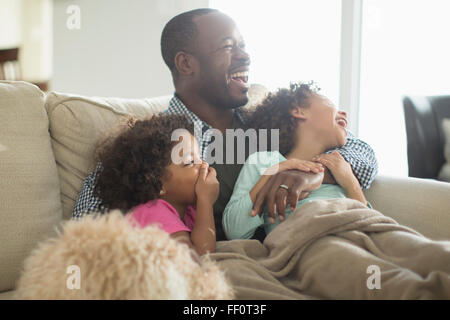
pixel 179 34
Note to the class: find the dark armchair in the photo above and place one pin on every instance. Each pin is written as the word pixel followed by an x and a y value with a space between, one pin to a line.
pixel 425 137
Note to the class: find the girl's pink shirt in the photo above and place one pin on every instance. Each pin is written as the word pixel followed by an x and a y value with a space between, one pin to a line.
pixel 161 213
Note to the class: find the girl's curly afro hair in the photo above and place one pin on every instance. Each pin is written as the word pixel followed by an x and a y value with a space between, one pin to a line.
pixel 134 160
pixel 274 113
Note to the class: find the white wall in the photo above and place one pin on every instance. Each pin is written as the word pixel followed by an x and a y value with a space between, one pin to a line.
pixel 10 23
pixel 116 51
pixel 27 24
pixel 36 47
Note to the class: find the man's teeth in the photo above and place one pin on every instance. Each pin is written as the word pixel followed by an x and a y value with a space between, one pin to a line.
pixel 240 74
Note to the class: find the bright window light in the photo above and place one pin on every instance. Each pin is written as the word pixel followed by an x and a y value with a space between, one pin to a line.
pixel 405 51
pixel 290 40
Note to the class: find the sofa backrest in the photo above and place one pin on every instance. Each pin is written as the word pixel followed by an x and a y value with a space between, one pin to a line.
pixel 47 145
pixel 77 123
pixel 30 204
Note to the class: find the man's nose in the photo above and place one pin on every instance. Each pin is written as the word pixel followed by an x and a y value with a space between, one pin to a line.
pixel 242 55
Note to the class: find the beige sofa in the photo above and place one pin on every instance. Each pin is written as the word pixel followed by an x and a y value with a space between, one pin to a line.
pixel 46 151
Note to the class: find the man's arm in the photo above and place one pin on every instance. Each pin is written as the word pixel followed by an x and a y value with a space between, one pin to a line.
pixel 361 158
pixel 87 202
pixel 343 174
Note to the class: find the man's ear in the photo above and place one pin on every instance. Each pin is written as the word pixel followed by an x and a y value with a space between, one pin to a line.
pixel 185 63
pixel 299 113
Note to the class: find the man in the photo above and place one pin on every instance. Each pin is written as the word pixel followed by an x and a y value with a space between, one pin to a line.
pixel 206 55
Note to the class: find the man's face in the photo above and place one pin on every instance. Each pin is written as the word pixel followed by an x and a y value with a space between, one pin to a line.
pixel 223 63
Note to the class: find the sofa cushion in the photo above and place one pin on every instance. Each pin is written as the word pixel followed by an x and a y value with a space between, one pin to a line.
pixel 30 204
pixel 77 123
pixel 421 204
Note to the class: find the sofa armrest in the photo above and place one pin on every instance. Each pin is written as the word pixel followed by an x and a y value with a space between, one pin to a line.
pixel 421 204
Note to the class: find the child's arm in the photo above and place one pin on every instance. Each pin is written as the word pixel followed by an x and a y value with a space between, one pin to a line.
pixel 343 174
pixel 203 235
pixel 238 223
pixel 236 220
pixel 202 238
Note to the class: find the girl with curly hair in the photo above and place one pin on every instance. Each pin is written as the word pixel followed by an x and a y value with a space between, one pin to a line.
pixel 308 125
pixel 156 180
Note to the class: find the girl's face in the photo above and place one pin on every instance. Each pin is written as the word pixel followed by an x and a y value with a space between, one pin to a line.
pixel 179 182
pixel 326 122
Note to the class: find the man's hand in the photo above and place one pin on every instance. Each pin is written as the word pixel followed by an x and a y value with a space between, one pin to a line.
pixel 299 184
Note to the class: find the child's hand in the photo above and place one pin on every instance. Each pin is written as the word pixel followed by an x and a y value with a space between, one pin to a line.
pixel 302 165
pixel 207 186
pixel 339 168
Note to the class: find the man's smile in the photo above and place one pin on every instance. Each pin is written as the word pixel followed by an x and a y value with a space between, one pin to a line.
pixel 240 78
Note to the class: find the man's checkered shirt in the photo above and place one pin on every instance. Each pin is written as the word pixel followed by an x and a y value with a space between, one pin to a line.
pixel 356 152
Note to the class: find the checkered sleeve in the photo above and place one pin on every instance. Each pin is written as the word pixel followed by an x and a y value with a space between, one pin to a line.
pixel 362 159
pixel 87 203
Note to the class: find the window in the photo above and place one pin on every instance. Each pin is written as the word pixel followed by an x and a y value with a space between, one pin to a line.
pixel 290 40
pixel 405 51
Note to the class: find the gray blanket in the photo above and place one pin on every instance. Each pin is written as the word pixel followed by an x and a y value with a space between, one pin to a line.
pixel 337 249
